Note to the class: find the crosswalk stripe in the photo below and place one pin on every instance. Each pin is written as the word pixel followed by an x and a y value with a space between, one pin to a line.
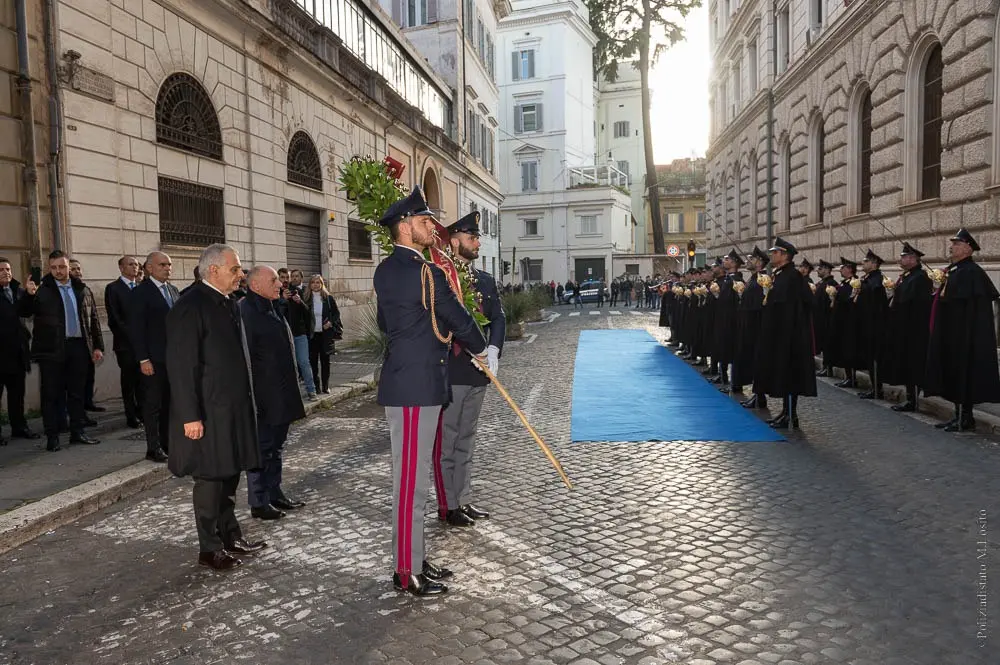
pixel 615 312
pixel 595 313
pixel 574 313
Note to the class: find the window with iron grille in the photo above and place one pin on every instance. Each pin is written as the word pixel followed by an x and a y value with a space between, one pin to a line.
pixel 866 153
pixel 191 215
pixel 359 241
pixel 304 167
pixel 933 94
pixel 185 117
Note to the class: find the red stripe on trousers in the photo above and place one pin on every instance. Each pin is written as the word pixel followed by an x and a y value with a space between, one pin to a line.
pixel 402 522
pixel 411 472
pixel 438 471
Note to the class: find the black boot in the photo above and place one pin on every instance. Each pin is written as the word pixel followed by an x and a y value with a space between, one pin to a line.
pixel 793 410
pixel 827 371
pixel 951 422
pixel 910 404
pixel 750 403
pixel 781 422
pixel 762 401
pixel 964 422
pixel 850 379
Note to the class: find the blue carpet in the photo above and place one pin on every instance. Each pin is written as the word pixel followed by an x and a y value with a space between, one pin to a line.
pixel 628 387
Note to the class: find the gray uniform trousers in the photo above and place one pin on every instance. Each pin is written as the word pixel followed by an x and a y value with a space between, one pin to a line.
pixel 412 431
pixel 458 441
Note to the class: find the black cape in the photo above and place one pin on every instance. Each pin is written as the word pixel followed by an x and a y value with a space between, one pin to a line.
pixel 823 315
pixel 908 330
pixel 842 344
pixel 725 331
pixel 785 364
pixel 748 331
pixel 872 310
pixel 962 354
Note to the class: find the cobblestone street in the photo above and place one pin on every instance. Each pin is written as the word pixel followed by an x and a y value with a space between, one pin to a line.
pixel 854 542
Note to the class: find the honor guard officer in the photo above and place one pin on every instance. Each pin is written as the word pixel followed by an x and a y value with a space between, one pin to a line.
pixel 908 327
pixel 453 461
pixel 420 315
pixel 873 307
pixel 823 313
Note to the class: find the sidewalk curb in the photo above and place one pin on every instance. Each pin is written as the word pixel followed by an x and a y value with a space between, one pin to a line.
pixel 26 523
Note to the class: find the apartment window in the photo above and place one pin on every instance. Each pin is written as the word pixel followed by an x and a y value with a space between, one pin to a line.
pixel 621 129
pixel 588 225
pixel 701 222
pixel 817 12
pixel 930 187
pixel 359 240
pixel 866 154
pixel 529 176
pixel 523 65
pixel 482 39
pixel 623 166
pixel 468 12
pixel 783 40
pixel 527 118
pixel 533 270
pixel 675 222
pixel 737 87
pixel 785 188
pixel 724 104
pixel 530 228
pixel 416 13
pixel 752 69
pixel 490 58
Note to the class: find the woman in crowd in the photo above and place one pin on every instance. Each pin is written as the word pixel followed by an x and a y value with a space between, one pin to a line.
pixel 325 329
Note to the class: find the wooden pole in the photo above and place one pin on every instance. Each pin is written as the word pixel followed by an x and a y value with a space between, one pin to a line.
pixel 524 419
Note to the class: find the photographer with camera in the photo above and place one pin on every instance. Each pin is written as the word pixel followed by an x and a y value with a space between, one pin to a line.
pixel 296 313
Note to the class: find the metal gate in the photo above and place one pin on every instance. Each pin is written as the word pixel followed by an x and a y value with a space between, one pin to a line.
pixel 302 240
pixel 589 269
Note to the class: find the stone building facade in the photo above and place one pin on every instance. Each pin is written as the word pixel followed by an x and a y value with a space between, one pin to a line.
pixel 883 124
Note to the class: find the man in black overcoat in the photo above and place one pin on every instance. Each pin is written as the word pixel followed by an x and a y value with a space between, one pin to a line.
pixel 962 354
pixel 908 327
pixel 873 309
pixel 724 335
pixel 823 314
pixel 842 345
pixel 785 366
pixel 150 303
pixel 213 424
pixel 118 304
pixel 748 323
pixel 15 361
pixel 275 389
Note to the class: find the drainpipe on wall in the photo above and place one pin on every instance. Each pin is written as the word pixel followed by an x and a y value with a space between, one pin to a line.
pixel 30 175
pixel 246 127
pixel 55 121
pixel 770 167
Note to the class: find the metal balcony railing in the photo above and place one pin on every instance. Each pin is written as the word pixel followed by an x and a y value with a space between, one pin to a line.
pixel 597 176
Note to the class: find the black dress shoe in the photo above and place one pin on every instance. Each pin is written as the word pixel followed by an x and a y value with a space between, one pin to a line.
pixel 419 585
pixel 24 434
pixel 436 573
pixel 946 424
pixel 89 422
pixel 846 383
pixel 961 426
pixel 218 560
pixel 157 455
pixel 458 518
pixel 267 512
pixel 284 503
pixel 749 403
pixel 871 394
pixel 94 408
pixel 83 438
pixel 825 372
pixel 475 513
pixel 782 422
pixel 243 546
pixel 134 424
pixel 717 379
pixel 52 445
pixel 906 407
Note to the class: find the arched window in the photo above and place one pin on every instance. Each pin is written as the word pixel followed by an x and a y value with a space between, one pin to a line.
pixel 185 117
pixel 859 154
pixel 730 205
pixel 785 185
pixel 930 183
pixel 740 200
pixel 754 192
pixel 303 163
pixel 924 96
pixel 866 153
pixel 817 147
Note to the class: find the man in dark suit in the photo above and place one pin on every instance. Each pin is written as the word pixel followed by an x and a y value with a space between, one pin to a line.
pixel 453 451
pixel 421 315
pixel 151 301
pixel 118 303
pixel 15 361
pixel 66 337
pixel 275 389
pixel 212 405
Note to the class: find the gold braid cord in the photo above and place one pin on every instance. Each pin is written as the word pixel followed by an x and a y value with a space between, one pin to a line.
pixel 427 280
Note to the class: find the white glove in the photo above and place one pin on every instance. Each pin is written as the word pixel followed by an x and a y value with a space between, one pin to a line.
pixel 493 359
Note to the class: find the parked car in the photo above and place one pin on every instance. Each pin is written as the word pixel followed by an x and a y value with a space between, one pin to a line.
pixel 588 290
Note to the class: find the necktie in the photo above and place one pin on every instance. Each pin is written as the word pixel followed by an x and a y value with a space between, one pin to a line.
pixel 166 296
pixel 131 285
pixel 69 305
pixel 7 292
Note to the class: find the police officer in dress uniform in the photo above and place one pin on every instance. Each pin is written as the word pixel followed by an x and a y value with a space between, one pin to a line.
pixel 453 461
pixel 748 317
pixel 718 276
pixel 805 269
pixel 962 356
pixel 785 365
pixel 420 315
pixel 843 342
pixel 823 314
pixel 873 307
pixel 724 347
pixel 908 327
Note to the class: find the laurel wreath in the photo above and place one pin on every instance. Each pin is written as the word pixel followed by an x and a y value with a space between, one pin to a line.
pixel 368 183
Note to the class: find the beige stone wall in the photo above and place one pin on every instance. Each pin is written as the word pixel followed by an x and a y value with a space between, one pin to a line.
pixel 264 90
pixel 870 46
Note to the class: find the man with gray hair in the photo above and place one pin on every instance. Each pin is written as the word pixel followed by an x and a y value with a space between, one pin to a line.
pixel 212 417
pixel 275 389
pixel 150 302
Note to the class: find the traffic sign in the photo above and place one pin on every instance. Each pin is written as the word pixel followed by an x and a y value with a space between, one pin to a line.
pixel 673 250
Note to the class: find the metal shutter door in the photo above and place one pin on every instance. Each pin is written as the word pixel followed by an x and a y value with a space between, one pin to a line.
pixel 302 240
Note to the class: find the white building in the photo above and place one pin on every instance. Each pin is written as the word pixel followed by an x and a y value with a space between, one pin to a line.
pixel 458 39
pixel 564 213
pixel 620 139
